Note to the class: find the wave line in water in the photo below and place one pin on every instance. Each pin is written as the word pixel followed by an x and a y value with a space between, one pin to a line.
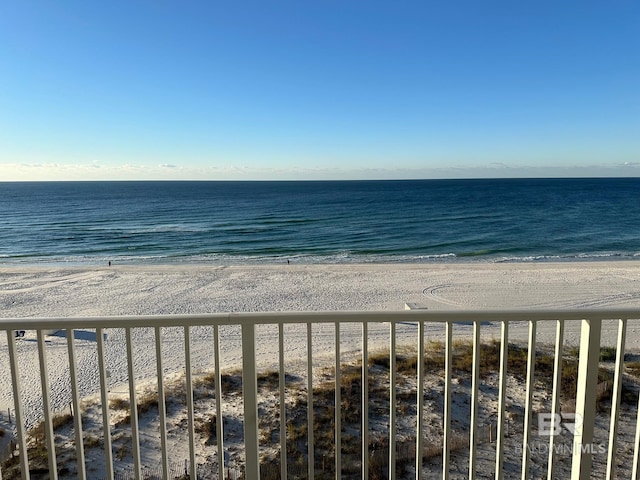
pixel 320 222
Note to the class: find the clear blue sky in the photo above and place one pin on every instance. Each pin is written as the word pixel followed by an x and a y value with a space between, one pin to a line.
pixel 318 89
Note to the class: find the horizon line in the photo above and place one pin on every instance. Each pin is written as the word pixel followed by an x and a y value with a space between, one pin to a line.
pixel 612 177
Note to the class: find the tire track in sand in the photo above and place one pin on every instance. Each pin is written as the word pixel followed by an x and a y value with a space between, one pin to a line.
pixel 432 293
pixel 48 282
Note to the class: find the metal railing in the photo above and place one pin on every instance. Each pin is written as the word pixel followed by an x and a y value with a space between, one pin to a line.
pixel 590 322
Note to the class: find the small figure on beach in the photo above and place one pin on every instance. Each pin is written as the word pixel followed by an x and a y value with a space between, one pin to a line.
pixel 287 262
pixel 109 262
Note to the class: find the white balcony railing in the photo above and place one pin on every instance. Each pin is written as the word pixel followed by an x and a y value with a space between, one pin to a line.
pixel 400 327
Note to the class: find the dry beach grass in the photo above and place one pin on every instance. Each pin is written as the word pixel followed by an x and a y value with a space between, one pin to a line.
pixel 324 411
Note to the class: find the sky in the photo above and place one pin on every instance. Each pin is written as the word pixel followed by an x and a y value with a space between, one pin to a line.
pixel 306 89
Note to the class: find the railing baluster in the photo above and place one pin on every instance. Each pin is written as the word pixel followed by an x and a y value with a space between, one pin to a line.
pixel 500 427
pixel 310 433
pixel 555 399
pixel 17 405
pixel 588 367
pixel 528 410
pixel 190 409
pixel 475 381
pixel 104 398
pixel 162 409
pixel 419 400
pixel 218 393
pixel 392 400
pixel 446 421
pixel 365 400
pixel 77 414
pixel 133 407
pixel 585 399
pixel 283 405
pixel 46 405
pixel 615 401
pixel 338 406
pixel 635 474
pixel 250 398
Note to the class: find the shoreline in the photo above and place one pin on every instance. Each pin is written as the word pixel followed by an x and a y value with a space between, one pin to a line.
pixel 577 264
pixel 464 261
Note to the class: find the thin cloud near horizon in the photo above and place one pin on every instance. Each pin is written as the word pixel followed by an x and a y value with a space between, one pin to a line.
pixel 94 171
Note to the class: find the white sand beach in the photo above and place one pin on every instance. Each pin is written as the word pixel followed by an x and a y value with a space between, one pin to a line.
pixel 138 290
pixel 143 290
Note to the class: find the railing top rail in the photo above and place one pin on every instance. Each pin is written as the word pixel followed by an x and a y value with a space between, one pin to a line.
pixel 434 316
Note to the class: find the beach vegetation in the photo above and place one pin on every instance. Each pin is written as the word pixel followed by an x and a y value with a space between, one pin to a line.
pixel 124 420
pixel 122 451
pixel 147 401
pixel 231 382
pixel 269 379
pixel 572 351
pixel 207 427
pixel 36 449
pixel 350 408
pixel 37 433
pixel 633 368
pixel 119 403
pixel 92 441
pixel 629 395
pixel 208 380
pixel 608 354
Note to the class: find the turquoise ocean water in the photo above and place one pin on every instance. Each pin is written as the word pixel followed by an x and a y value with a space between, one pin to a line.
pixel 319 222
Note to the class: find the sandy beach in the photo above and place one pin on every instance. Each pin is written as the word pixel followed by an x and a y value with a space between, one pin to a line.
pixel 134 290
pixel 143 290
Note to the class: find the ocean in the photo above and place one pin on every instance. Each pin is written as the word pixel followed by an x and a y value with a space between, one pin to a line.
pixel 226 223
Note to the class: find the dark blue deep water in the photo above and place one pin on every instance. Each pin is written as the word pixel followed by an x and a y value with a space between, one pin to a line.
pixel 319 222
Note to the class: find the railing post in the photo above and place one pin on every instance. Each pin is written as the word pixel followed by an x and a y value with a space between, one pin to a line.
pixel 446 440
pixel 162 409
pixel 283 405
pixel 190 407
pixel 586 399
pixel 77 414
pixel 392 402
pixel 365 401
pixel 528 413
pixel 218 388
pixel 338 407
pixel 250 396
pixel 133 407
pixel 18 406
pixel 475 409
pixel 500 427
pixel 420 401
pixel 50 442
pixel 615 400
pixel 555 396
pixel 104 397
